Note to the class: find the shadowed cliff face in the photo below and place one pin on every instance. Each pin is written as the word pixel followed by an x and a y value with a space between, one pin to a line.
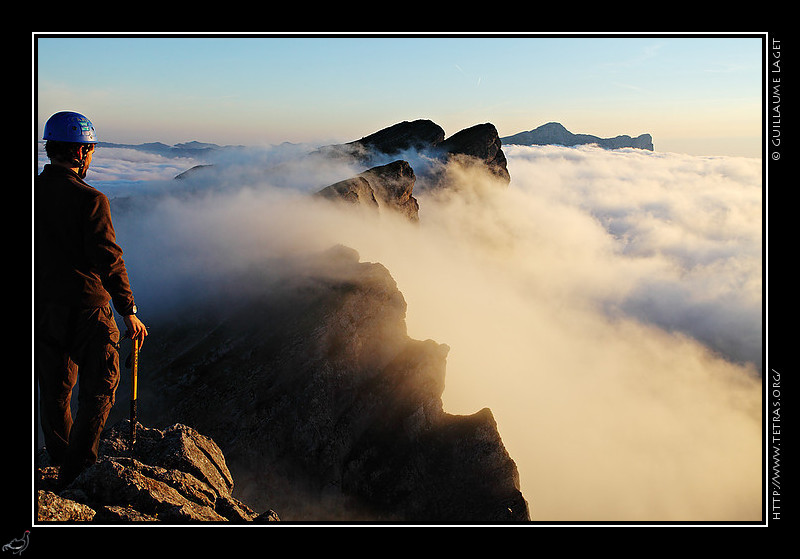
pixel 324 407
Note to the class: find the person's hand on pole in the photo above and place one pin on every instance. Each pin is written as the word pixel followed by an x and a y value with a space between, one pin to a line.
pixel 136 330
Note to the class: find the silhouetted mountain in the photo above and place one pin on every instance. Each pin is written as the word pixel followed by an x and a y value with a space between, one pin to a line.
pixel 417 135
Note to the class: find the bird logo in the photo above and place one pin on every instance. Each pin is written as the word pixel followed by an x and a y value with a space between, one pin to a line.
pixel 18 545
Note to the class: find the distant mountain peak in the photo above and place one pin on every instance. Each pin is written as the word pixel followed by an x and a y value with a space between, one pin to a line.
pixel 552 126
pixel 554 133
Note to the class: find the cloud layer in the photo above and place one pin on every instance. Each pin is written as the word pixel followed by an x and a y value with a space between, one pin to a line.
pixel 606 306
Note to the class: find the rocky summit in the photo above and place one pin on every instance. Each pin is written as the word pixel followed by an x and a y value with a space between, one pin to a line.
pixel 476 146
pixel 174 476
pixel 389 185
pixel 324 407
pixel 479 144
pixel 417 135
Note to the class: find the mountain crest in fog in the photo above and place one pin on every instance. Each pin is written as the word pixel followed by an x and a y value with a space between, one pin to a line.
pixel 324 406
pixel 391 185
pixel 477 145
pixel 390 176
pixel 418 135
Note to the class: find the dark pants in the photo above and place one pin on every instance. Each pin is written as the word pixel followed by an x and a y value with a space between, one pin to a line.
pixel 75 345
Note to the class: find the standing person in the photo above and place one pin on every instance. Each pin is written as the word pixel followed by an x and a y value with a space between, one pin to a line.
pixel 78 271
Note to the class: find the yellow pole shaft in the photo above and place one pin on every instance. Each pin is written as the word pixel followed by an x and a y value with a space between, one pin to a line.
pixel 134 390
pixel 135 371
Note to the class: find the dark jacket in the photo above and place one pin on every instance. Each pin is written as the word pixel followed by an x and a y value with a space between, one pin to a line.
pixel 77 261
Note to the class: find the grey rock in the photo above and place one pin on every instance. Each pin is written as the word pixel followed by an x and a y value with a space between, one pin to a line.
pixel 356 190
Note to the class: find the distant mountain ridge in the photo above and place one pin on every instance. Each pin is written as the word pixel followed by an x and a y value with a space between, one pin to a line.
pixel 554 133
pixel 407 135
pixel 186 149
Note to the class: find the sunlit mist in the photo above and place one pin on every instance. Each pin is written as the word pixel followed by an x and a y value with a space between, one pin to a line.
pixel 606 305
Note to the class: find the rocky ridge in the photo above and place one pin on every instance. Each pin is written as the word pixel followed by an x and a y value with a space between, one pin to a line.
pixel 390 185
pixel 323 405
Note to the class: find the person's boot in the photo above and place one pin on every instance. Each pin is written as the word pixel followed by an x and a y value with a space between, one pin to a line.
pixel 67 474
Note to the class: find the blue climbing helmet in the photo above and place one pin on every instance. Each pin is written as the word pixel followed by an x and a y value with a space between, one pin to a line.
pixel 68 126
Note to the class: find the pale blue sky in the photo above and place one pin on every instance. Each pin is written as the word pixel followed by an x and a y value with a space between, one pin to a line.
pixel 700 95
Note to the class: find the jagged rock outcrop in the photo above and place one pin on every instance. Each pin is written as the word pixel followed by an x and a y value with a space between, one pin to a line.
pixel 474 149
pixel 387 186
pixel 482 143
pixel 477 147
pixel 175 476
pixel 323 405
pixel 554 133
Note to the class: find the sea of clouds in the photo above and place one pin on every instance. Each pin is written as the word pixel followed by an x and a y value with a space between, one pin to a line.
pixel 606 306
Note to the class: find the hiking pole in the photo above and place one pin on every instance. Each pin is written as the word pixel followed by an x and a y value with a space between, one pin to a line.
pixel 134 389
